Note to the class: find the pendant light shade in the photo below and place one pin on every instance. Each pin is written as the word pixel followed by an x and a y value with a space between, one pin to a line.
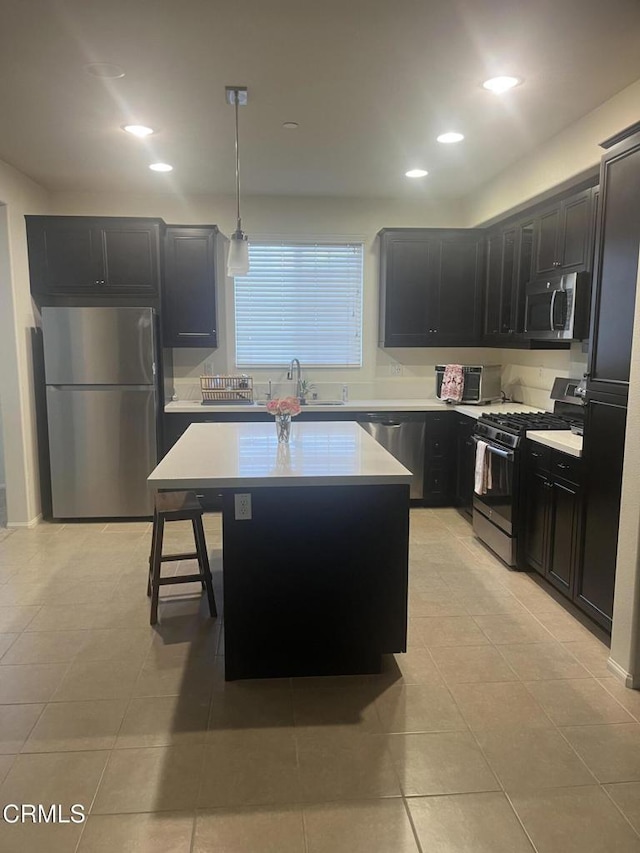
pixel 238 257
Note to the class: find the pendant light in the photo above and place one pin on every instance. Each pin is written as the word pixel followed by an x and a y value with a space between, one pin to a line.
pixel 238 258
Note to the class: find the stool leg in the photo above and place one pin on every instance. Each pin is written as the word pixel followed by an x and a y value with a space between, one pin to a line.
pixel 155 580
pixel 203 563
pixel 153 545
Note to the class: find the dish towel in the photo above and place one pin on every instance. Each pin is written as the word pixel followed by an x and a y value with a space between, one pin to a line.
pixel 452 383
pixel 483 479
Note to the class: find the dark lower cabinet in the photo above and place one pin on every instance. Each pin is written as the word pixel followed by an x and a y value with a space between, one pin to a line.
pixel 553 501
pixel 439 458
pixel 96 256
pixel 537 507
pixel 189 286
pixel 564 544
pixel 603 458
pixel 465 463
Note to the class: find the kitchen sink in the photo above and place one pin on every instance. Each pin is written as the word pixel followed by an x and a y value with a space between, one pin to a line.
pixel 311 403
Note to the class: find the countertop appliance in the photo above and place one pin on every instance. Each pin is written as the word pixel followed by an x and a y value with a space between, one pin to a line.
pixel 495 514
pixel 558 308
pixel 481 382
pixel 102 404
pixel 403 434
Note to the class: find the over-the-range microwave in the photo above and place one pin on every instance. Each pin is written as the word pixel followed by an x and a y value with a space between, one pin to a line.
pixel 558 308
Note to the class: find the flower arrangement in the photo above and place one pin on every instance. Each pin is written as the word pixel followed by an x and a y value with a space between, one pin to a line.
pixel 284 406
pixel 284 409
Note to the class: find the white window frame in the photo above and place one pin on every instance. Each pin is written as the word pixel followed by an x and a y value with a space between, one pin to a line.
pixel 306 241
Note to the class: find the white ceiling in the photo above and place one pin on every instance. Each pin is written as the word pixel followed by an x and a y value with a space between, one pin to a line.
pixel 371 83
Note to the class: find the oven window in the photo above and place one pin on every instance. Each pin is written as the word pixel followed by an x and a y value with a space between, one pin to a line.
pixel 538 310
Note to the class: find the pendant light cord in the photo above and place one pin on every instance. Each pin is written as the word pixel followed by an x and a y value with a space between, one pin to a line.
pixel 237 97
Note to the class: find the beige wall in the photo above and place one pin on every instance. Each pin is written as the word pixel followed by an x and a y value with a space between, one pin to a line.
pixel 18 196
pixel 570 152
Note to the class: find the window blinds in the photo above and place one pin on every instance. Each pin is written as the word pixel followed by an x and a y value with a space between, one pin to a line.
pixel 300 300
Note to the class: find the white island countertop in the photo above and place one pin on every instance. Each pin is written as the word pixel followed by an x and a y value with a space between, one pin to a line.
pixel 239 455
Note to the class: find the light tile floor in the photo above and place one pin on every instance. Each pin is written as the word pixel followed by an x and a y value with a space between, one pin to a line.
pixel 500 731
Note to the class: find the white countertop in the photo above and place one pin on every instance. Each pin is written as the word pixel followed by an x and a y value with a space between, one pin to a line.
pixel 191 406
pixel 232 455
pixel 388 405
pixel 558 439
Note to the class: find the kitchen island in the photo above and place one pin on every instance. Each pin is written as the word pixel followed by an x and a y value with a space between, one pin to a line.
pixel 315 544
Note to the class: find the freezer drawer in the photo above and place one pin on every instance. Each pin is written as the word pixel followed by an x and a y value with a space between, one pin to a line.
pixel 102 443
pixel 404 438
pixel 98 346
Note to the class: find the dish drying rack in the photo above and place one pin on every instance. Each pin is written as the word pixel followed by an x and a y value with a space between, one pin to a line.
pixel 226 389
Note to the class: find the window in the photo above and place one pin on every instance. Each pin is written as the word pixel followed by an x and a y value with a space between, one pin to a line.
pixel 300 300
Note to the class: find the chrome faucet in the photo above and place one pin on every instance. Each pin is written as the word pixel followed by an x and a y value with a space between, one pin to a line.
pixel 295 363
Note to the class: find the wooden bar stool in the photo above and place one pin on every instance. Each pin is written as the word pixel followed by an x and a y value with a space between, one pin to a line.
pixel 178 506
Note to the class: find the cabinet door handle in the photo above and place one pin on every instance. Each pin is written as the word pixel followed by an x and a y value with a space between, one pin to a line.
pixel 536 455
pixel 562 465
pixel 100 281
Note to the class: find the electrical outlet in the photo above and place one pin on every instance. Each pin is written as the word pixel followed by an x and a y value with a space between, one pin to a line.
pixel 395 370
pixel 243 507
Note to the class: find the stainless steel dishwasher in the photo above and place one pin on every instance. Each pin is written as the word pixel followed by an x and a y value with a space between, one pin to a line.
pixel 403 434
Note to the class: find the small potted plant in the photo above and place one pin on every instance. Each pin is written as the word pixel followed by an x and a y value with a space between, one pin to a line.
pixel 305 390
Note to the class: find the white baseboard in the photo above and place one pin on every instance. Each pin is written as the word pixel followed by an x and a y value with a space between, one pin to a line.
pixel 622 675
pixel 25 524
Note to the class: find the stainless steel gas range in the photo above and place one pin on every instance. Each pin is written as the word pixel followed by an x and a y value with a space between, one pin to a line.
pixel 496 504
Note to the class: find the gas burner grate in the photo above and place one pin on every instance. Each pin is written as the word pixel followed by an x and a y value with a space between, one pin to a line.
pixel 520 422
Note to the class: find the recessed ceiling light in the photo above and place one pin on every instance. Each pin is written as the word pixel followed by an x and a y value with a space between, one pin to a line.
pixel 416 173
pixel 290 125
pixel 501 84
pixel 106 70
pixel 450 137
pixel 138 130
pixel 161 167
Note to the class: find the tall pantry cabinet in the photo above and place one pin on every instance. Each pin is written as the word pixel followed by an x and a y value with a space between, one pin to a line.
pixel 612 314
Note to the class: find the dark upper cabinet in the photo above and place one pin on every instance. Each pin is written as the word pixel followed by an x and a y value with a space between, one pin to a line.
pixel 71 255
pixel 430 286
pixel 547 230
pixel 616 269
pixel 509 258
pixel 563 235
pixel 189 286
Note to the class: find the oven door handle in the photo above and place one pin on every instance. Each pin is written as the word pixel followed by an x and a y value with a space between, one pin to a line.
pixel 498 451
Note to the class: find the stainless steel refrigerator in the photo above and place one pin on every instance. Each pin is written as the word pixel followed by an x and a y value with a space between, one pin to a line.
pixel 102 404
